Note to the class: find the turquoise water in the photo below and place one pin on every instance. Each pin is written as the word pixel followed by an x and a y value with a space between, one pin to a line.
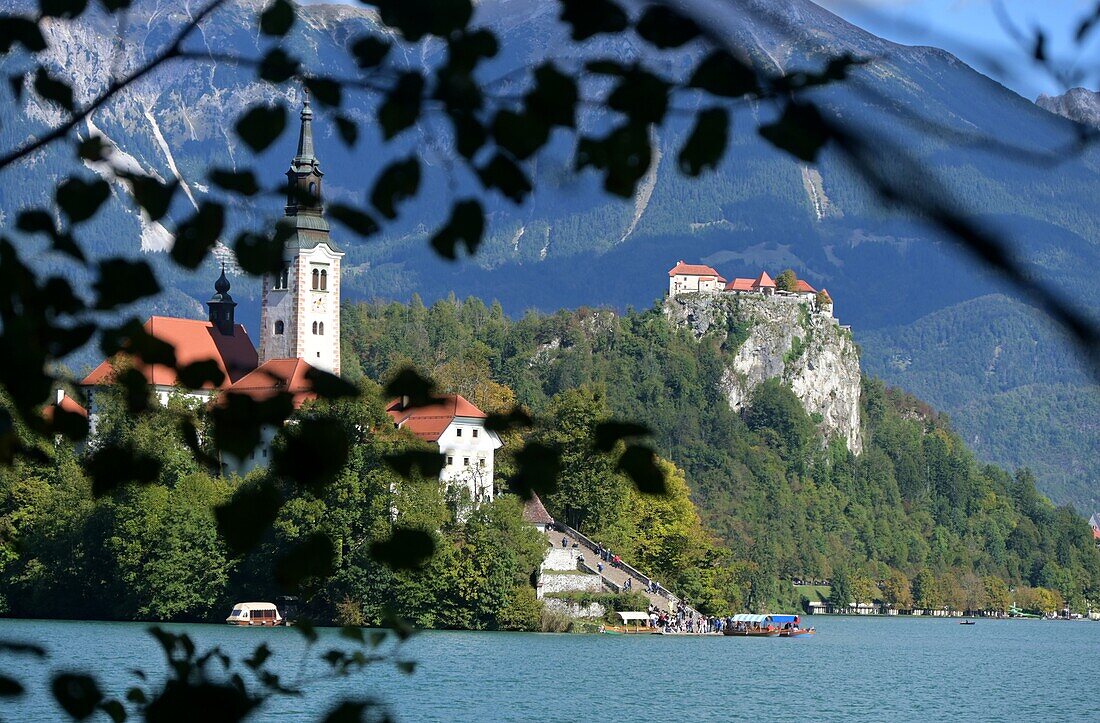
pixel 908 669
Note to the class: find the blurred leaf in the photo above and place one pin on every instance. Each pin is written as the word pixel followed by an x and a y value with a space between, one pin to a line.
pixel 259 657
pixel 639 463
pixel 305 628
pixel 397 182
pixel 470 135
pixel 187 700
pixel 428 464
pixel 123 282
pixel 348 711
pixel 370 51
pixel 466 49
pixel 592 17
pixel 419 390
pixel 130 337
pixel 349 131
pixel 408 667
pixel 135 389
pixel 261 125
pixel 313 453
pixel 277 18
pixel 466 226
pixel 93 148
pixel 80 199
pixel 624 157
pixel 52 89
pixel 325 91
pixel 62 8
pixel 402 105
pixel 17 29
pixel 353 633
pixel 114 710
pixel 313 557
pixel 520 134
pixel 113 467
pixel 723 75
pixel 278 66
pixel 200 373
pixel 707 142
pixel 801 131
pixel 417 18
pixel 198 234
pixel 503 174
pixel 238 420
pixel 553 97
pixel 330 386
pixel 77 694
pixel 151 194
pixel 21 648
pixel 258 254
pixel 641 96
pixel 70 425
pixel 191 440
pixel 608 434
pixel 241 182
pixel 666 28
pixel 37 220
pixel 515 419
pixel 538 468
pixel 10 687
pixel 356 220
pixel 406 549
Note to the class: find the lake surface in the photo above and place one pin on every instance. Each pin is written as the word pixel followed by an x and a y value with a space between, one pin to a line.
pixel 908 669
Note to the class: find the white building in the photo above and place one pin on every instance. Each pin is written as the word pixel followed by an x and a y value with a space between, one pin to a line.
pixel 693 278
pixel 458 428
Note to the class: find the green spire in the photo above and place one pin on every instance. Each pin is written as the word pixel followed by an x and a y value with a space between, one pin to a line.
pixel 305 136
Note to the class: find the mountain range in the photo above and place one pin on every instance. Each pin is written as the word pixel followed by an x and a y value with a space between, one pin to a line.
pixel 928 318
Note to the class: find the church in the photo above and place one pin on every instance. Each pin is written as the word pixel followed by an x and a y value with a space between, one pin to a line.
pixel 300 310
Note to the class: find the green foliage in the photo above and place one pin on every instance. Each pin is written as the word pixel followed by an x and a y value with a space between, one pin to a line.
pixel 786 281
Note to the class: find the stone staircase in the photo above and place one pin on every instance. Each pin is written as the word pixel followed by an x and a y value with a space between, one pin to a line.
pixel 585 554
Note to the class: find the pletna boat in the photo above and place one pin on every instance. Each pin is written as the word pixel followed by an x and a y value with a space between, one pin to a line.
pixel 253 614
pixel 966 622
pixel 746 625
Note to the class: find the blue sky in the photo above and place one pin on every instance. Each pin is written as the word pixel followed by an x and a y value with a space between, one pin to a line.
pixel 972 30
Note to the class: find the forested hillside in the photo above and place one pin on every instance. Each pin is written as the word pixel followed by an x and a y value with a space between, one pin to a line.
pixel 778 503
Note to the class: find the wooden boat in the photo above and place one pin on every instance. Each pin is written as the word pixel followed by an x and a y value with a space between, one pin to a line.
pixel 746 625
pixel 966 622
pixel 752 633
pixel 633 623
pixel 255 614
pixel 797 632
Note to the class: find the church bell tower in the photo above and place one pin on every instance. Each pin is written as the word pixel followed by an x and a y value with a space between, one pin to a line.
pixel 300 312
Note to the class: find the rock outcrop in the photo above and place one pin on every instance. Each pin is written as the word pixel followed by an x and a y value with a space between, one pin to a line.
pixel 784 338
pixel 1078 104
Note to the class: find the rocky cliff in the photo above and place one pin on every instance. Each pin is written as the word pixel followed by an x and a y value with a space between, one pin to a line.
pixel 780 337
pixel 1078 104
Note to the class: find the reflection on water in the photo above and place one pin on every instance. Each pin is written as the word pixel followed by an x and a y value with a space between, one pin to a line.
pixel 867 669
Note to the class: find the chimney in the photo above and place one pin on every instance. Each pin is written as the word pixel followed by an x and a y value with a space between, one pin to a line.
pixel 60 397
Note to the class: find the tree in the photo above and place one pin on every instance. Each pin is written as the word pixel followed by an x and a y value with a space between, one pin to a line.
pixel 841 591
pixel 896 591
pixel 774 407
pixel 926 591
pixel 823 300
pixel 786 281
pixel 997 596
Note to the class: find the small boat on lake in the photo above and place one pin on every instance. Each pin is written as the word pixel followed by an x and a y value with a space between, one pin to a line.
pixel 746 625
pixel 255 614
pixel 633 623
pixel 966 622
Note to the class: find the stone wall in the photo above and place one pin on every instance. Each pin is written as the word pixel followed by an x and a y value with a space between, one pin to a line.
pixel 574 610
pixel 569 582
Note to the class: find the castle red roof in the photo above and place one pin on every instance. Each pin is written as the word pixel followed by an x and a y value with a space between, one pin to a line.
pixel 740 285
pixel 803 287
pixel 535 512
pixel 274 376
pixel 682 269
pixel 428 422
pixel 763 281
pixel 193 341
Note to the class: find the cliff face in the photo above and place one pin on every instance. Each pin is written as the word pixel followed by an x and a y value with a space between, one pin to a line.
pixel 778 337
pixel 1077 104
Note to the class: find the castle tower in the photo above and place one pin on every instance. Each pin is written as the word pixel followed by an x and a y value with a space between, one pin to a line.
pixel 300 312
pixel 221 306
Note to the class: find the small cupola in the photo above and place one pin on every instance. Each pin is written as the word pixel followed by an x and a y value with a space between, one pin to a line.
pixel 222 306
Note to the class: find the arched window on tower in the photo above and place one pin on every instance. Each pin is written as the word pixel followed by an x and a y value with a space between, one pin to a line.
pixel 324 280
pixel 279 327
pixel 321 328
pixel 312 191
pixel 316 279
pixel 284 278
pixel 315 327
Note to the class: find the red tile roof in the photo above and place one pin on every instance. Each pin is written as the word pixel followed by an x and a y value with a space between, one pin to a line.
pixel 803 287
pixel 682 269
pixel 428 422
pixel 277 375
pixel 68 404
pixel 824 291
pixel 193 341
pixel 740 285
pixel 763 281
pixel 535 512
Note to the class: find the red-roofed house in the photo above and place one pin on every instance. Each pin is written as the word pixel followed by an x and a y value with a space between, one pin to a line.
pixel 534 513
pixel 801 288
pixel 693 278
pixel 764 284
pixel 458 428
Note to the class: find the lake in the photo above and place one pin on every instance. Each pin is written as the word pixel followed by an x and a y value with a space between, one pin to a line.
pixel 907 669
